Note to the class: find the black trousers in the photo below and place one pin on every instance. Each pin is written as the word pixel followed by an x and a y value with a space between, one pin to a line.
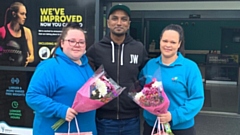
pixel 147 130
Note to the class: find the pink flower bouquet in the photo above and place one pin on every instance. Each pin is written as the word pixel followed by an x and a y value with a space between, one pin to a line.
pixel 97 91
pixel 152 98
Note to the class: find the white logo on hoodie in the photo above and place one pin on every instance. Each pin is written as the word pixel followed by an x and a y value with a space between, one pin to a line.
pixel 134 58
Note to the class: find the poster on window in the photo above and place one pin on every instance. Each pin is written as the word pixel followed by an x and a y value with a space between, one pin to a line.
pixel 15 116
pixel 29 29
pixel 28 33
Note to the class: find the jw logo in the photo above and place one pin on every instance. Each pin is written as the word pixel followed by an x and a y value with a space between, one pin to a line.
pixel 134 59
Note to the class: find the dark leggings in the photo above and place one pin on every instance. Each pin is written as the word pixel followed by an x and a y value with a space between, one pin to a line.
pixel 147 130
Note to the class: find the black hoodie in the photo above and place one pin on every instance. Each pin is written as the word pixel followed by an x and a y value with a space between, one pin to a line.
pixel 123 64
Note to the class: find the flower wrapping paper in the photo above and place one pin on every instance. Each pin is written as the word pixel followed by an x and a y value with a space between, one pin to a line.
pixel 151 97
pixel 97 91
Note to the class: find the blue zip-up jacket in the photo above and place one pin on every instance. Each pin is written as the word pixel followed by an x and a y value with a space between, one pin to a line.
pixel 182 83
pixel 52 90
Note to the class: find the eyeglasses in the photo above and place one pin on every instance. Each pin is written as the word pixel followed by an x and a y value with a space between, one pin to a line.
pixel 73 42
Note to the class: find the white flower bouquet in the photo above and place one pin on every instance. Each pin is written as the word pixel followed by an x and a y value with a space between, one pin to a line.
pixel 97 91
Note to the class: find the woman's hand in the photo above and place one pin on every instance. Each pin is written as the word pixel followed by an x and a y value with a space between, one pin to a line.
pixel 165 118
pixel 27 60
pixel 30 58
pixel 71 113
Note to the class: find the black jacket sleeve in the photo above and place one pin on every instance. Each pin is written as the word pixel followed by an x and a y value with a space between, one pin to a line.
pixel 91 56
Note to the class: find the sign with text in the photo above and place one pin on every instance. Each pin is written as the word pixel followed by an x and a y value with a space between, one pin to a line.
pixel 33 43
pixel 14 110
pixel 42 26
pixel 222 58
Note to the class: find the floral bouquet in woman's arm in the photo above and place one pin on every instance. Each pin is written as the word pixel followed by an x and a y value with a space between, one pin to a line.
pixel 97 91
pixel 152 98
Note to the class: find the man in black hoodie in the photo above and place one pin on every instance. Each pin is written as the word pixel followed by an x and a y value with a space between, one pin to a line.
pixel 122 58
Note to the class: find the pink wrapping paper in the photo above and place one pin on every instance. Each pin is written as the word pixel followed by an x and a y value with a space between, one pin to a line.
pixel 83 101
pixel 160 109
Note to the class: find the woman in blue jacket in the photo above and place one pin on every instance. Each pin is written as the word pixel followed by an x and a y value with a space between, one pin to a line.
pixel 182 83
pixel 55 82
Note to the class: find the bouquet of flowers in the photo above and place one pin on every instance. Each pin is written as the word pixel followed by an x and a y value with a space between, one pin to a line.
pixel 97 91
pixel 152 98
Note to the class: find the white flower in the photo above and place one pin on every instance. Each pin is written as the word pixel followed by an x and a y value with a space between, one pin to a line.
pixel 94 93
pixel 102 88
pixel 157 84
pixel 138 96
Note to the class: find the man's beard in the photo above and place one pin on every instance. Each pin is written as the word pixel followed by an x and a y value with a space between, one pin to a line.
pixel 118 34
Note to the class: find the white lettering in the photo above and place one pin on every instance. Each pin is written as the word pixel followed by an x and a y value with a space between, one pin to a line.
pixel 134 59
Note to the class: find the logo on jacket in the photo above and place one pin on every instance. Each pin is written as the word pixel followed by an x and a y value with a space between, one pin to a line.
pixel 134 59
pixel 174 78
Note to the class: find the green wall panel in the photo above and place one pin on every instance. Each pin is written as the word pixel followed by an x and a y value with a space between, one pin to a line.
pixel 199 34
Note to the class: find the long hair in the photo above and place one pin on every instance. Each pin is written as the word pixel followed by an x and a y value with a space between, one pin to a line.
pixel 13 8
